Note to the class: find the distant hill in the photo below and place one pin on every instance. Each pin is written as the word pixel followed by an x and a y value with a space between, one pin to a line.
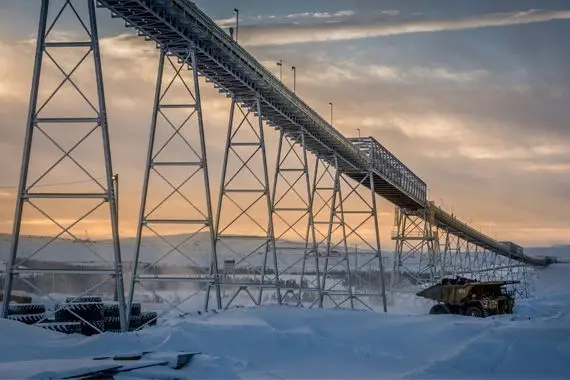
pixel 560 251
pixel 197 248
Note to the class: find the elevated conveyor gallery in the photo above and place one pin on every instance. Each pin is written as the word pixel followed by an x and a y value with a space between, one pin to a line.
pixel 444 220
pixel 390 167
pixel 178 25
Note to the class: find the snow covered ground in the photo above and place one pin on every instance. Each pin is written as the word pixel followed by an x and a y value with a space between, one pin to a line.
pixel 283 342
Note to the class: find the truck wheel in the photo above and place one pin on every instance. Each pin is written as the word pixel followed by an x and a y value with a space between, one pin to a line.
pixel 438 309
pixel 509 307
pixel 475 311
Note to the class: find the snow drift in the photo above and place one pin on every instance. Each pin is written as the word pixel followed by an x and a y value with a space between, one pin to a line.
pixel 286 342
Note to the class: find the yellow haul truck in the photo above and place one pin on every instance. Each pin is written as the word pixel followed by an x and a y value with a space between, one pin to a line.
pixel 473 298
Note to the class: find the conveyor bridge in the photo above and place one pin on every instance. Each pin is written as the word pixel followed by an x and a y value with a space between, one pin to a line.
pixel 179 25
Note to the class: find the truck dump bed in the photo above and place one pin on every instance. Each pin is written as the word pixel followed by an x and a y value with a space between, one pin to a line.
pixel 455 291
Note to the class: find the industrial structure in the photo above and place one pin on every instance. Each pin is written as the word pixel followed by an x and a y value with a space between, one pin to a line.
pixel 329 203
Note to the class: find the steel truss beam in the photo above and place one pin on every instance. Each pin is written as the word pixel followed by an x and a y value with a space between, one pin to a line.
pixel 176 180
pixel 48 118
pixel 245 199
pixel 292 215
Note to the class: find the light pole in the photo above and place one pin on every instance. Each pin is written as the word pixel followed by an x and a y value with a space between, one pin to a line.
pixel 236 11
pixel 331 105
pixel 116 192
pixel 280 64
pixel 294 78
pixel 356 268
pixel 358 129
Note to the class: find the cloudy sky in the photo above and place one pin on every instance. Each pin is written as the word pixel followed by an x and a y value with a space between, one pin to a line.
pixel 472 96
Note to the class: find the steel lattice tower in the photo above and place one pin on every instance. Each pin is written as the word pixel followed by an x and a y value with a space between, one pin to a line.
pixel 425 254
pixel 176 161
pixel 245 197
pixel 330 232
pixel 69 128
pixel 293 218
pixel 361 214
pixel 416 253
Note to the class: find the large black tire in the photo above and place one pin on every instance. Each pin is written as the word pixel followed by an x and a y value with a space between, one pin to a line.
pixel 66 327
pixel 83 299
pixel 112 310
pixel 88 311
pixel 112 324
pixel 28 319
pixel 88 330
pixel 510 306
pixel 475 311
pixel 439 309
pixel 147 318
pixel 135 323
pixel 30 308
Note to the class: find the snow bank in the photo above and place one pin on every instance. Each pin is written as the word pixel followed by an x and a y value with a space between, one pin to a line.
pixel 287 342
pixel 282 342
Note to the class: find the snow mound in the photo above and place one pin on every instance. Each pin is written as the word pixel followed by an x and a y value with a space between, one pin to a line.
pixel 276 342
pixel 281 342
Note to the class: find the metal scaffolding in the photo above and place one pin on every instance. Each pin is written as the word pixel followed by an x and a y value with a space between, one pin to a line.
pixel 176 205
pixel 245 197
pixel 70 124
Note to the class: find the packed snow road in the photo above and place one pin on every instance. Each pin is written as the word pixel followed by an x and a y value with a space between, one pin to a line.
pixel 284 343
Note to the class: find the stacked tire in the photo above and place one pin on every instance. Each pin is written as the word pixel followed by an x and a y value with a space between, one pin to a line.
pixel 111 316
pixel 82 315
pixel 29 314
pixel 35 314
pixel 83 299
pixel 62 327
pixel 87 311
pixel 137 319
pixel 148 318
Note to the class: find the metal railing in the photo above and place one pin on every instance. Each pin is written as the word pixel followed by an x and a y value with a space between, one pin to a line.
pixel 392 168
pixel 192 11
